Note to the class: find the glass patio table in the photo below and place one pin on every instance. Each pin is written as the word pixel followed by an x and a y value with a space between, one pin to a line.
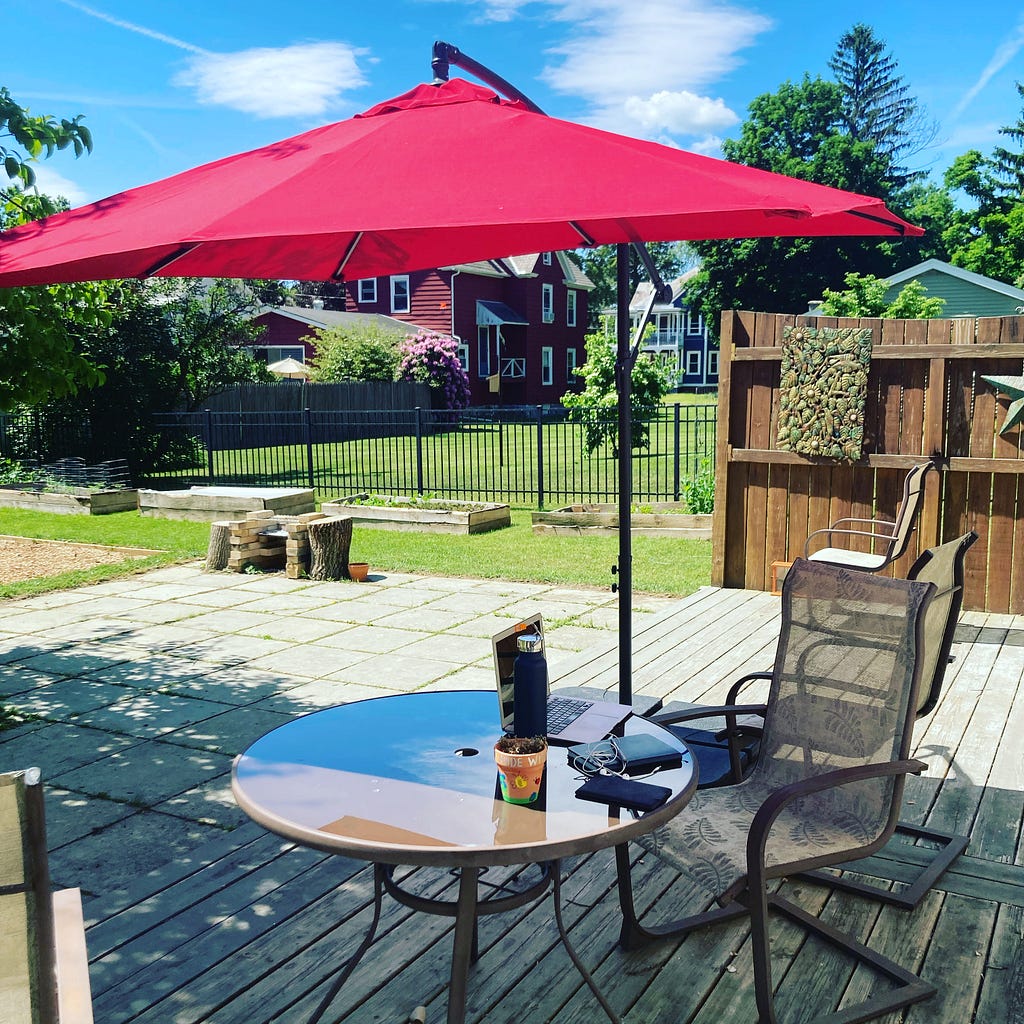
pixel 411 780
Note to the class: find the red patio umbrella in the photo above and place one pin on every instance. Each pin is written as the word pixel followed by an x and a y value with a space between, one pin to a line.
pixel 446 173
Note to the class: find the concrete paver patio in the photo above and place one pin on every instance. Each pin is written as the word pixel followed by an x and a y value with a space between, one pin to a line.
pixel 141 691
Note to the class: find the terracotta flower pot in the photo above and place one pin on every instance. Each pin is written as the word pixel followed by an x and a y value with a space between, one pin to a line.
pixel 520 775
pixel 358 571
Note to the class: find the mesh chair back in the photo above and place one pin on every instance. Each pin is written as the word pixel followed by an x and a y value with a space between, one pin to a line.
pixel 910 506
pixel 841 698
pixel 28 992
pixel 943 566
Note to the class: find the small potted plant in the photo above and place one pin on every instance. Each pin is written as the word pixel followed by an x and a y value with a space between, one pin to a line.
pixel 521 761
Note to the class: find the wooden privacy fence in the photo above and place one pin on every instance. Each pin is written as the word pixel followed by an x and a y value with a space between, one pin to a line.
pixel 925 399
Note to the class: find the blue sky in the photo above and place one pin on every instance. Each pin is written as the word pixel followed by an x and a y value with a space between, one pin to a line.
pixel 165 86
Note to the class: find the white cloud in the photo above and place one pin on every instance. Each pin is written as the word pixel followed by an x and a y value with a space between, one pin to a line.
pixel 1005 52
pixel 304 80
pixel 681 113
pixel 53 183
pixel 620 48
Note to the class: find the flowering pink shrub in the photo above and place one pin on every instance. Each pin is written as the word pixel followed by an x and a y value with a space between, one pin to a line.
pixel 434 359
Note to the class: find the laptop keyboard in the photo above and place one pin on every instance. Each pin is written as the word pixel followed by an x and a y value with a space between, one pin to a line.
pixel 563 711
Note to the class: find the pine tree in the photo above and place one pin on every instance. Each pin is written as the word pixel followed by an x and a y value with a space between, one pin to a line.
pixel 877 105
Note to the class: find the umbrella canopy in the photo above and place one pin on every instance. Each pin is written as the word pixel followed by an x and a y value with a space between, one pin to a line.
pixel 444 174
pixel 289 368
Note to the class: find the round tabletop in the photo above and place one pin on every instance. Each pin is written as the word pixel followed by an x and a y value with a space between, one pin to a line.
pixel 411 779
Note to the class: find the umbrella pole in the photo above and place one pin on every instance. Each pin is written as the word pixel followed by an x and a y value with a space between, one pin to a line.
pixel 624 384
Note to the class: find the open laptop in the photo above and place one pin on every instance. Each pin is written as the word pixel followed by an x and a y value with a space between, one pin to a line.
pixel 570 720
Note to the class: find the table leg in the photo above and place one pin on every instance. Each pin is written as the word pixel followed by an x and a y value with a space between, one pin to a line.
pixel 465 941
pixel 557 896
pixel 378 894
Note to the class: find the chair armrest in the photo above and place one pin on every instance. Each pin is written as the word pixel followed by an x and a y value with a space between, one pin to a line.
pixel 74 997
pixel 846 533
pixel 707 711
pixel 766 814
pixel 734 690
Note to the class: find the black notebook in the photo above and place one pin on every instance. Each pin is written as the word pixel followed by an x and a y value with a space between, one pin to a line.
pixel 634 754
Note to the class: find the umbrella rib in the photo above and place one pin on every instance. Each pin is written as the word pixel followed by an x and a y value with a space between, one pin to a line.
pixel 339 273
pixel 878 220
pixel 168 260
pixel 587 239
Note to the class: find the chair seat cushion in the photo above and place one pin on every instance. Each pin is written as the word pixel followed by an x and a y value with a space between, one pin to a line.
pixel 847 559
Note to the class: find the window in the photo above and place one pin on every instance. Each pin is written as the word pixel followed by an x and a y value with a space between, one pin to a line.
pixel 400 294
pixel 463 353
pixel 275 353
pixel 570 308
pixel 570 365
pixel 547 359
pixel 692 364
pixel 546 259
pixel 484 348
pixel 694 322
pixel 548 303
pixel 367 291
pixel 713 363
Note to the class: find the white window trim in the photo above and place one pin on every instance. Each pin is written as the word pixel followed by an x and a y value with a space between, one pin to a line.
pixel 547 366
pixel 483 351
pixel 570 308
pixel 692 363
pixel 463 355
pixel 395 308
pixel 713 363
pixel 546 259
pixel 694 322
pixel 570 364
pixel 371 297
pixel 547 303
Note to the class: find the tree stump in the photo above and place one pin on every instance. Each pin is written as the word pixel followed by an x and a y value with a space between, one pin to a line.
pixel 329 542
pixel 219 549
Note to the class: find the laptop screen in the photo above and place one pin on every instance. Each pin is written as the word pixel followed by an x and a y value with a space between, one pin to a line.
pixel 505 650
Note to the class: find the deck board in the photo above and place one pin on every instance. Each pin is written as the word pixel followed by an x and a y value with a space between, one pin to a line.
pixel 250 928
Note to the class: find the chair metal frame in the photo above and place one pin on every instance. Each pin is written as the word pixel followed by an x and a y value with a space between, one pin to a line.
pixel 61 969
pixel 950 844
pixel 750 896
pixel 895 534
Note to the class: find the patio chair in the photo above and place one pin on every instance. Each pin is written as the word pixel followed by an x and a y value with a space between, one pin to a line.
pixel 44 971
pixel 943 566
pixel 895 536
pixel 827 784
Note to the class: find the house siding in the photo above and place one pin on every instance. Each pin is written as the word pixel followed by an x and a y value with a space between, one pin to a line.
pixel 284 331
pixel 445 301
pixel 963 297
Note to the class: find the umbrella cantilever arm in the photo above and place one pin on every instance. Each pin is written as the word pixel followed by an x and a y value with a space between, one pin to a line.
pixel 443 55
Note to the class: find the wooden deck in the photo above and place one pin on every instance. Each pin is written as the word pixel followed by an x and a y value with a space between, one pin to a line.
pixel 251 929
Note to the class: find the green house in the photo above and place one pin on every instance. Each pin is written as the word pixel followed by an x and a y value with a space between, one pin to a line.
pixel 966 293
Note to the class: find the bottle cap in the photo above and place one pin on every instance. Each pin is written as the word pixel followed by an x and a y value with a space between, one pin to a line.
pixel 530 643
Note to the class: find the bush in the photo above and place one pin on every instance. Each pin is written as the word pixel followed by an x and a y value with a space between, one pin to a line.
pixel 699 493
pixel 363 353
pixel 433 359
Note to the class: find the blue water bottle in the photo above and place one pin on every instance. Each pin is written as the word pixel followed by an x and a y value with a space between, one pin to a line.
pixel 530 693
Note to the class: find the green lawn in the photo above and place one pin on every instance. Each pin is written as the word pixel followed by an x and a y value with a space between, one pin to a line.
pixel 660 565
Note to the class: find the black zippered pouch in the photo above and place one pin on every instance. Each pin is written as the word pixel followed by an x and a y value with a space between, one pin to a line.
pixel 636 796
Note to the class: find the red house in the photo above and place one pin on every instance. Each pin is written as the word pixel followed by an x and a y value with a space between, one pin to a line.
pixel 520 321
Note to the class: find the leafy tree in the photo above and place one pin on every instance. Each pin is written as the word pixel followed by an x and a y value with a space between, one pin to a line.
pixel 988 238
pixel 865 296
pixel 355 353
pixel 209 322
pixel 434 359
pixel 596 405
pixel 599 264
pixel 35 136
pixel 876 103
pixel 40 326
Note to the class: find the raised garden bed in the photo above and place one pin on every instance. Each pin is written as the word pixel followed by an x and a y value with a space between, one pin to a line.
pixel 75 501
pixel 659 519
pixel 208 504
pixel 396 512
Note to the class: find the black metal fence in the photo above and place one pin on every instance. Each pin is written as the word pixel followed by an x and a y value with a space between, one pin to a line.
pixel 523 455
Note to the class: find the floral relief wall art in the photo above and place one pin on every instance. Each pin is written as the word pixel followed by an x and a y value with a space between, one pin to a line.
pixel 823 391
